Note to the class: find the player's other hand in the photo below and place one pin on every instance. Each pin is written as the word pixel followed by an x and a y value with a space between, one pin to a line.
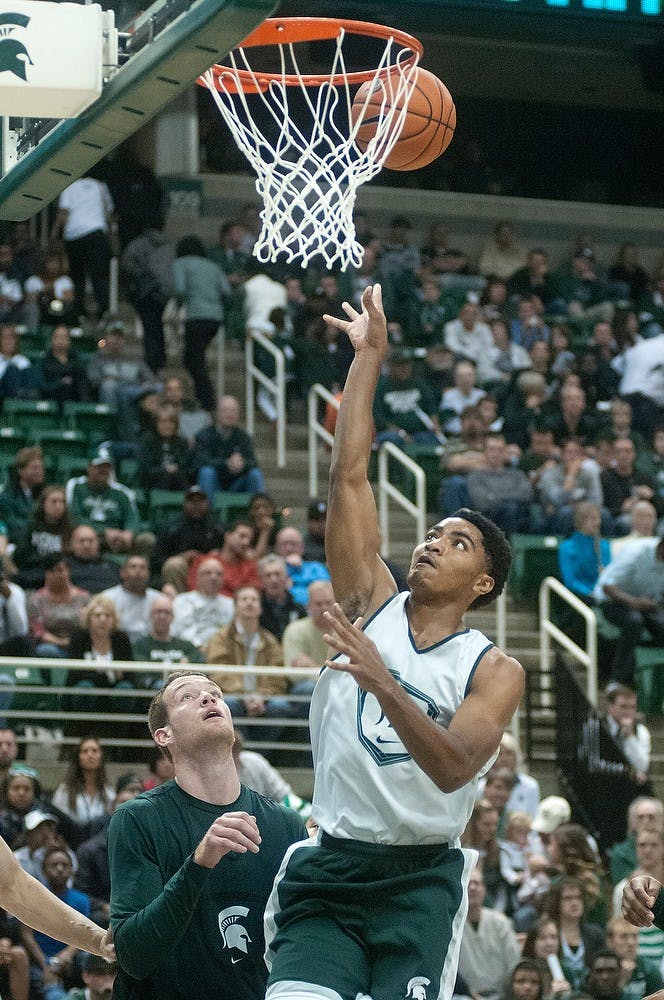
pixel 638 899
pixel 234 831
pixel 368 328
pixel 106 946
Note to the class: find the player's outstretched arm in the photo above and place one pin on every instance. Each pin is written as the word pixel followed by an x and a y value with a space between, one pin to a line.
pixel 638 899
pixel 35 906
pixel 450 757
pixel 360 579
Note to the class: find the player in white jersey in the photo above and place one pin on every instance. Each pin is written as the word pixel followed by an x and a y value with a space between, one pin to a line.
pixel 405 719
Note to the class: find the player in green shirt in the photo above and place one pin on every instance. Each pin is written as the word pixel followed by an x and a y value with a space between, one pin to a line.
pixel 192 861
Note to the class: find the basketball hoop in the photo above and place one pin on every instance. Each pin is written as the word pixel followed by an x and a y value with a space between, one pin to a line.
pixel 309 173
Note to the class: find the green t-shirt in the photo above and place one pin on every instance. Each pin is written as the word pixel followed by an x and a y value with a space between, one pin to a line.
pixel 170 651
pixel 181 930
pixel 112 507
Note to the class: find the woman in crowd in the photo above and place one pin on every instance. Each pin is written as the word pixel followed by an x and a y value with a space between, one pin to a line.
pixel 482 835
pixel 61 372
pixel 164 456
pixel 579 939
pixel 48 532
pixel 542 945
pixel 85 795
pixel 54 611
pixel 21 792
pixel 571 852
pixel 528 980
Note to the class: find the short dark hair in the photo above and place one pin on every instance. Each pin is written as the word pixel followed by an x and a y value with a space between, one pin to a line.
pixel 603 953
pixel 190 246
pixel 157 712
pixel 497 550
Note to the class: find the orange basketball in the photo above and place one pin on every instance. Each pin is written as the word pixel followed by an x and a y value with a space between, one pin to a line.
pixel 428 125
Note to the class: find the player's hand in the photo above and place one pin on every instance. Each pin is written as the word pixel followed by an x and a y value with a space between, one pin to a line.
pixel 366 329
pixel 638 899
pixel 233 832
pixel 106 946
pixel 365 663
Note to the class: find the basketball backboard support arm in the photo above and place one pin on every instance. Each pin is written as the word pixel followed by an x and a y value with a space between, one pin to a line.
pixel 145 84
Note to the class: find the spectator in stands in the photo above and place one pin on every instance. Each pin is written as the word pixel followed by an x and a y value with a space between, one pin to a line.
pixel 146 268
pixel 41 832
pixel 650 461
pixel 245 642
pixel 573 855
pixel 603 980
pixel 643 522
pixel 427 316
pixel 641 368
pixel 584 554
pixel 528 981
pixel 501 254
pixel 48 533
pixel 563 359
pixel 61 373
pixel 102 642
pixel 464 393
pixel 498 786
pixel 638 976
pixel 489 947
pixel 19 379
pixel 99 500
pixel 643 813
pixel 623 486
pixel 628 273
pixel 87 568
pixel 579 939
pixel 119 379
pixel 11 295
pixel 620 422
pixel 551 812
pixel 21 793
pixel 505 357
pixel 262 511
pixel 542 944
pixel 159 646
pixel 229 254
pixel 536 279
pixel 405 409
pixel 195 533
pixel 160 767
pixel 133 597
pixel 437 254
pixel 98 978
pixel 85 794
pixel 499 490
pixel 14 629
pixel 8 751
pixel 256 772
pixel 200 286
pixel 525 791
pixel 481 834
pixel 565 484
pixel 240 569
pixel 586 295
pixel 290 546
pixel 528 327
pixel 163 457
pixel 573 419
pixel 523 409
pixel 54 610
pixel 630 735
pixel 399 262
pixel 224 457
pixel 85 210
pixel 200 612
pixel 191 417
pixel 493 300
pixel 466 452
pixel 314 537
pixel 651 306
pixel 304 645
pixel 469 337
pixel 280 608
pixel 49 296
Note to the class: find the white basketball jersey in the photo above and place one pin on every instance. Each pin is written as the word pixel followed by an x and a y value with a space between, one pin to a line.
pixel 367 786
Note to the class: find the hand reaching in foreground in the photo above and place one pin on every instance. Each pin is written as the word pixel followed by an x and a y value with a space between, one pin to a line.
pixel 365 662
pixel 366 329
pixel 638 899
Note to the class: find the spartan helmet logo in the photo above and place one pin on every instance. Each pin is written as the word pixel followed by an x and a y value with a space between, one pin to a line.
pixel 417 988
pixel 13 54
pixel 234 934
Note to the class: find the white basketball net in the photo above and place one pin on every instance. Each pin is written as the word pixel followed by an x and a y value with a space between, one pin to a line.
pixel 308 179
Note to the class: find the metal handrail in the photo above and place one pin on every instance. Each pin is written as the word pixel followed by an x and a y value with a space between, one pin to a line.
pixel 275 386
pixel 316 431
pixel 387 491
pixel 549 631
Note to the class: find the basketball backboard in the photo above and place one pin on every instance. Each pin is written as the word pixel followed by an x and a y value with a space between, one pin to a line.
pixel 171 44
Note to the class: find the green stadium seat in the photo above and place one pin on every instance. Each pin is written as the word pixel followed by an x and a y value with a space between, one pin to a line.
pixel 96 420
pixel 69 466
pixel 165 506
pixel 650 679
pixel 534 557
pixel 66 442
pixel 31 415
pixel 231 505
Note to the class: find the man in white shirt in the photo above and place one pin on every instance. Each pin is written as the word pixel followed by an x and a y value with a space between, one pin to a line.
pixel 133 598
pixel 469 337
pixel 83 221
pixel 632 737
pixel 489 947
pixel 199 613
